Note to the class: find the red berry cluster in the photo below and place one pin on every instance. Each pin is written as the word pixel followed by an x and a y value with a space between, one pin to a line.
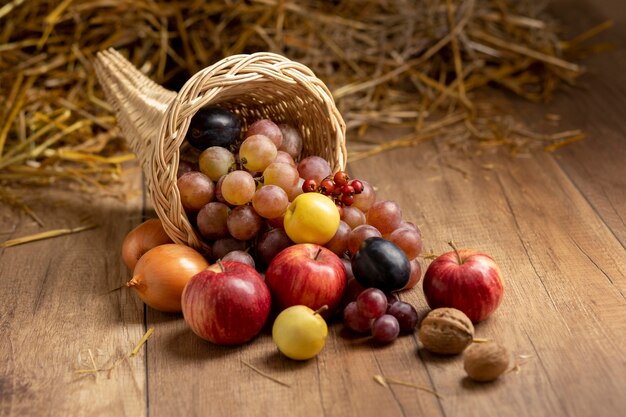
pixel 338 187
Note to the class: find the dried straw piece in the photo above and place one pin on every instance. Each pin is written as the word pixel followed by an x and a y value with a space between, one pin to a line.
pixel 142 341
pixel 265 374
pixel 44 235
pixel 386 381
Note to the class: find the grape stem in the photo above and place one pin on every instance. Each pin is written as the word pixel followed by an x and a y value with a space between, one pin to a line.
pixel 456 250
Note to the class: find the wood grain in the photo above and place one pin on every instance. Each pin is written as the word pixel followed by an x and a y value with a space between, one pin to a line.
pixel 56 312
pixel 555 223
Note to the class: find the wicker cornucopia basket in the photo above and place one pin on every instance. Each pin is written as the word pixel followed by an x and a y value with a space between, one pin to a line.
pixel 262 85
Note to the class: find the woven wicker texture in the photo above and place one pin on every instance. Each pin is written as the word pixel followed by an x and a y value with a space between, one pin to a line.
pixel 262 85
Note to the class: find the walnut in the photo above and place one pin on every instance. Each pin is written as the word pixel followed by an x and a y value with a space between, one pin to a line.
pixel 446 331
pixel 485 361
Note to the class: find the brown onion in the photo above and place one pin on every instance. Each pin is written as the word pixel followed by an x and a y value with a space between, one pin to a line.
pixel 141 239
pixel 161 275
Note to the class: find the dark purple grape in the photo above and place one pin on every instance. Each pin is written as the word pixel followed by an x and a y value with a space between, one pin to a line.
pixel 385 329
pixel 213 126
pixel 372 303
pixel 381 264
pixel 391 299
pixel 185 166
pixel 406 315
pixel 353 319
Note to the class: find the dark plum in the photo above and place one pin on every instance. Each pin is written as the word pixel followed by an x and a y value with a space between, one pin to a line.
pixel 381 264
pixel 213 126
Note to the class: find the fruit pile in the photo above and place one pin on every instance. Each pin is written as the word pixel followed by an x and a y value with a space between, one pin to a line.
pixel 283 233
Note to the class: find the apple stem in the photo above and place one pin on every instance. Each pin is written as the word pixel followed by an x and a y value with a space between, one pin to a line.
pixel 321 309
pixel 456 250
pixel 221 265
pixel 317 255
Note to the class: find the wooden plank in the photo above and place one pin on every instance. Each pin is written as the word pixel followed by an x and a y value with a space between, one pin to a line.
pixel 565 273
pixel 56 312
pixel 205 379
pixel 594 106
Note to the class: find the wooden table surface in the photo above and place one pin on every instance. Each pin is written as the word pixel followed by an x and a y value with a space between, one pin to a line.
pixel 555 223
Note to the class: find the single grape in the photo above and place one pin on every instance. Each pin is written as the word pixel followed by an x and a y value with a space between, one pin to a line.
pixel 213 126
pixel 406 315
pixel 218 190
pixel 372 303
pixel 277 222
pixel 314 167
pixel 244 223
pixel 347 190
pixel 385 329
pixel 391 299
pixel 359 234
pixel 215 162
pixel 416 274
pixel 270 201
pixel 353 319
pixel 222 247
pixel 268 129
pixel 339 243
pixel 185 166
pixel 257 152
pixel 409 239
pixel 284 157
pixel 297 190
pixel 196 190
pixel 353 216
pixel 384 215
pixel 366 198
pixel 211 220
pixel 353 289
pixel 238 187
pixel 340 206
pixel 270 243
pixel 240 256
pixel 283 175
pixel 347 264
pixel 292 141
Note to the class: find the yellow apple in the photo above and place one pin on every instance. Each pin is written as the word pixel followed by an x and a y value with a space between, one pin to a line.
pixel 311 218
pixel 299 332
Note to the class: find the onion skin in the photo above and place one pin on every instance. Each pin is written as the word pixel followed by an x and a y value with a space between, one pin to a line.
pixel 162 273
pixel 141 239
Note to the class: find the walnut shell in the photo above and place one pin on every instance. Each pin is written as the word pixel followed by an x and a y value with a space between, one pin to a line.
pixel 485 361
pixel 446 331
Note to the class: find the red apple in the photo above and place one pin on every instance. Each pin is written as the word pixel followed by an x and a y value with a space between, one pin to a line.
pixel 227 304
pixel 306 274
pixel 464 279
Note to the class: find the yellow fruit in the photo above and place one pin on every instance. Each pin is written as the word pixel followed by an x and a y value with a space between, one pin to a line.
pixel 299 332
pixel 311 218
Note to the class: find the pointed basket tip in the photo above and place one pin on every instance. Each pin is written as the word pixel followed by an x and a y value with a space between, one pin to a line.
pixel 263 85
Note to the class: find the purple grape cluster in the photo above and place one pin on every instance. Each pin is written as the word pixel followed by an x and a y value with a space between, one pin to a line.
pixel 385 317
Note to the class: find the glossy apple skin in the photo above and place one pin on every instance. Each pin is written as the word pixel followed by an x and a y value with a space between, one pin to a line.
pixel 226 307
pixel 299 276
pixel 474 286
